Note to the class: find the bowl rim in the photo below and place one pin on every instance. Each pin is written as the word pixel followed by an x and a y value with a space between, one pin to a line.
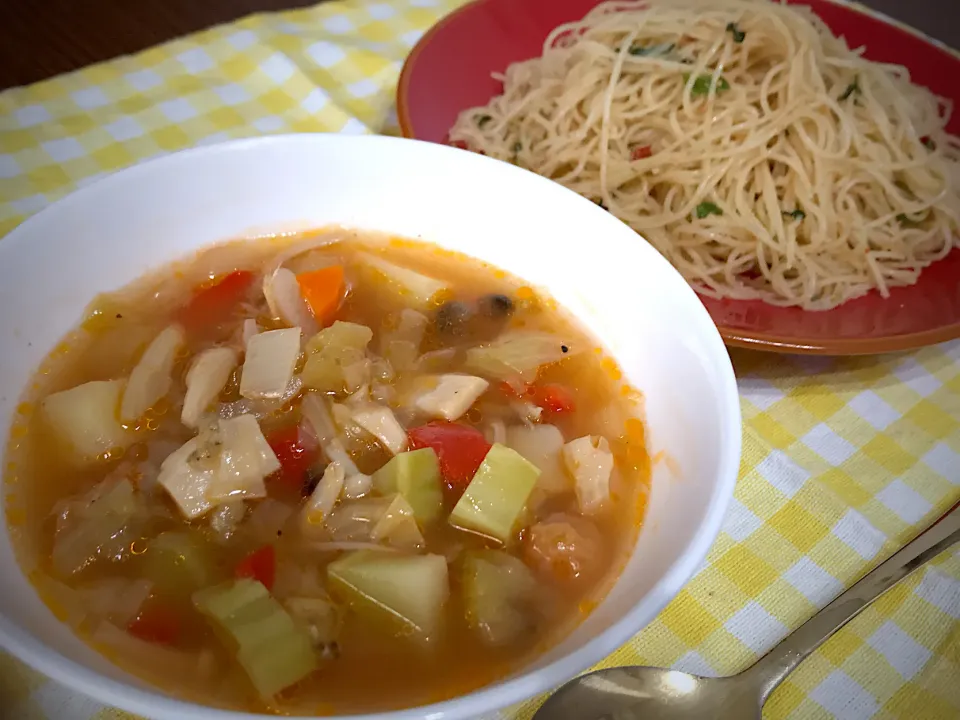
pixel 735 337
pixel 524 685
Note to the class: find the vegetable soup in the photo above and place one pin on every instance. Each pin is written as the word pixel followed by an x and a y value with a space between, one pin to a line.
pixel 332 473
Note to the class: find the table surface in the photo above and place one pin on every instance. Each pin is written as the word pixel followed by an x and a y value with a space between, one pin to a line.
pixel 41 38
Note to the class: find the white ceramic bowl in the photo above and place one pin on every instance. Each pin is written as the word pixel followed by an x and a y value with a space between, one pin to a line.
pixel 106 235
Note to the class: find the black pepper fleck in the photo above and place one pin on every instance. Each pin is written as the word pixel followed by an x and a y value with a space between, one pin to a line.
pixel 119 316
pixel 564 348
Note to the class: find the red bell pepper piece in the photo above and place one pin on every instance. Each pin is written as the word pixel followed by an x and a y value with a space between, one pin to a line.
pixel 157 624
pixel 295 453
pixel 213 304
pixel 260 565
pixel 460 449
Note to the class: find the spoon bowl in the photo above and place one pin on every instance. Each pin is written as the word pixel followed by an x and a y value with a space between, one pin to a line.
pixel 651 694
pixel 647 693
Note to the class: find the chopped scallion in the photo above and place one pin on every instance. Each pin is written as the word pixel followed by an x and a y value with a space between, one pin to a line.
pixel 852 88
pixel 701 86
pixel 738 34
pixel 797 214
pixel 708 208
pixel 644 51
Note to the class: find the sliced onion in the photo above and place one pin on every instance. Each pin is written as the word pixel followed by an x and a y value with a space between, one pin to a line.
pixel 357 485
pixel 250 328
pixel 322 240
pixel 151 379
pixel 325 496
pixel 314 409
pixel 282 293
pixel 205 380
pixel 347 546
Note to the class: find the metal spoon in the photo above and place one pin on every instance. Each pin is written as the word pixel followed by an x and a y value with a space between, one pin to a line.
pixel 646 693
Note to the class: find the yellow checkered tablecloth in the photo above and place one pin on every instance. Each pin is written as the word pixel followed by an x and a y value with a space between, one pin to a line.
pixel 844 459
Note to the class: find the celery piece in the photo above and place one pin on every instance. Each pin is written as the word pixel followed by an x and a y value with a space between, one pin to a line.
pixel 416 476
pixel 397 526
pixel 178 561
pixel 497 494
pixel 273 650
pixel 498 591
pixel 86 418
pixel 406 593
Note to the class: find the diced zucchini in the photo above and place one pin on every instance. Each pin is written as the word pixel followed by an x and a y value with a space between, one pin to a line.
pixel 404 592
pixel 398 526
pixel 178 561
pixel 495 499
pixel 416 476
pixel 413 288
pixel 450 396
pixel 337 358
pixel 498 590
pixel 86 418
pixel 273 650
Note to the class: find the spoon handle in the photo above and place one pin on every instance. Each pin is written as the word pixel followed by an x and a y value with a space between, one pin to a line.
pixel 772 668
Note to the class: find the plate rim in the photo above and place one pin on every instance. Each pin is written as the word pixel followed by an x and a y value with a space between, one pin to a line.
pixel 734 337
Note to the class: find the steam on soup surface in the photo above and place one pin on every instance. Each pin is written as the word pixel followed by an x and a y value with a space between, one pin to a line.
pixel 336 473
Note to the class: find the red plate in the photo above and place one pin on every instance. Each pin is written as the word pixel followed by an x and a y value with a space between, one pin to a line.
pixel 449 70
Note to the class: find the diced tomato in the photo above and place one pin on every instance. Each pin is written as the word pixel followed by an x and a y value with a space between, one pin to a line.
pixel 212 304
pixel 157 624
pixel 460 450
pixel 511 391
pixel 296 454
pixel 260 565
pixel 641 153
pixel 552 397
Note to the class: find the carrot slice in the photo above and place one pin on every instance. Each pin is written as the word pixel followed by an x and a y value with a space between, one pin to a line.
pixel 323 291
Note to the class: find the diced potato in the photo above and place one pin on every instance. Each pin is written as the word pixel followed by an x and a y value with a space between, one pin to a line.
pixel 416 476
pixel 205 381
pixel 152 377
pixel 86 418
pixel 380 422
pixel 590 462
pixel 398 526
pixel 405 593
pixel 498 590
pixel 269 363
pixel 496 497
pixel 450 396
pixel 413 288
